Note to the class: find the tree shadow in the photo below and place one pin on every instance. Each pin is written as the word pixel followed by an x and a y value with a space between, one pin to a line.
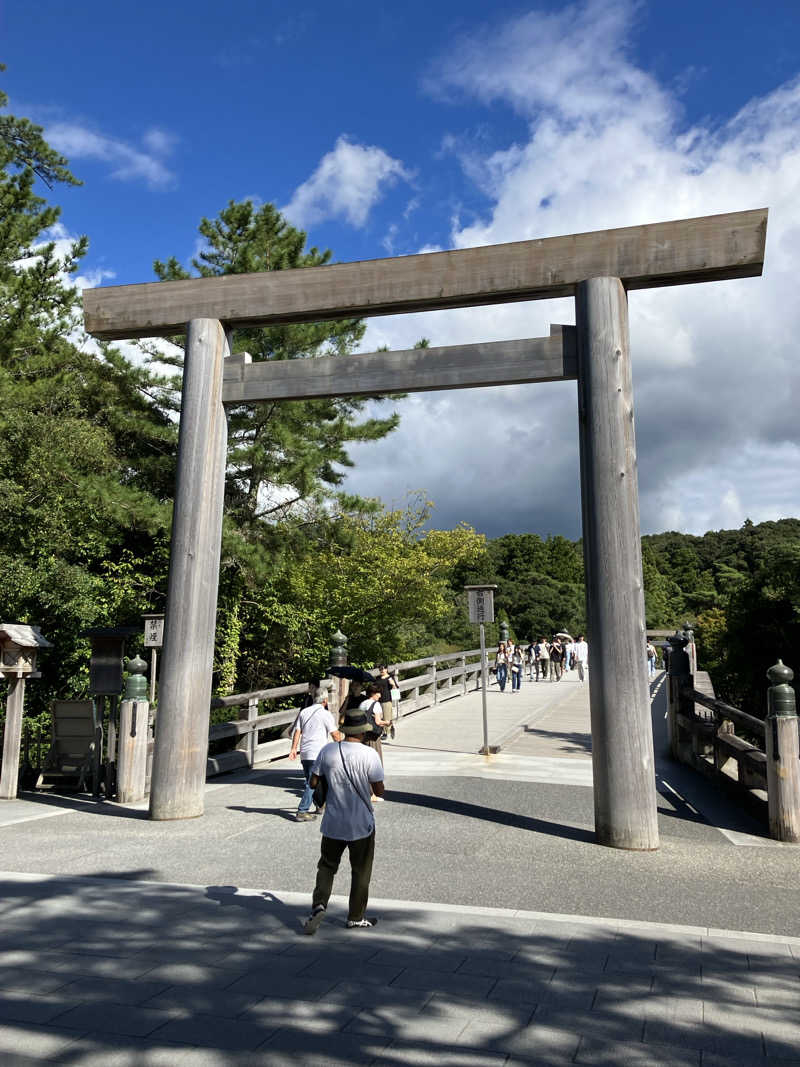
pixel 98 969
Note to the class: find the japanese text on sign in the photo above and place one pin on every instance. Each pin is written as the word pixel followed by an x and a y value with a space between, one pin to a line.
pixel 154 631
pixel 481 605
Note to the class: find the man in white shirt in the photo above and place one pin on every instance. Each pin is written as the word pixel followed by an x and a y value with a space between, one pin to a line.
pixel 312 729
pixel 580 652
pixel 353 773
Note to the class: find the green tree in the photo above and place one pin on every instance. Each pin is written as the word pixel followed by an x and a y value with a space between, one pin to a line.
pixel 85 454
pixel 763 625
pixel 282 453
pixel 379 575
pixel 284 458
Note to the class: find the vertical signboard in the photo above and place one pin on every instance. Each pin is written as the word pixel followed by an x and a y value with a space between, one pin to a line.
pixel 153 639
pixel 481 604
pixel 153 631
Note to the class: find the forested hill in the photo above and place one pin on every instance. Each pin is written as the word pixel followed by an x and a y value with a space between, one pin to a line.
pixel 739 588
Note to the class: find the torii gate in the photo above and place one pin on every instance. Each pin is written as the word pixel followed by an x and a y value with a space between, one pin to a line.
pixel 598 269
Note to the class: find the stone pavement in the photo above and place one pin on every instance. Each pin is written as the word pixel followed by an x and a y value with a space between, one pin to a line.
pixel 105 973
pixel 127 942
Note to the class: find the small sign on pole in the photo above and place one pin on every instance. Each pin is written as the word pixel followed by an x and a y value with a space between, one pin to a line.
pixel 153 631
pixel 481 602
pixel 481 610
pixel 153 639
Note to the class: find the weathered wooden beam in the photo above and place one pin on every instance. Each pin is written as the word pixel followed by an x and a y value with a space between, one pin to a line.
pixel 12 737
pixel 179 761
pixel 541 359
pixel 619 698
pixel 706 249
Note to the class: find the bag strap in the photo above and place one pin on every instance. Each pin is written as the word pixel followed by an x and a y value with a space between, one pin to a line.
pixel 356 790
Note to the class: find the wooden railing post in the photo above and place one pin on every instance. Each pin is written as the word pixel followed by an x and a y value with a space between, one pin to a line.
pixel 134 722
pixel 463 662
pixel 679 681
pixel 783 752
pixel 249 742
pixel 134 736
pixel 433 676
pixel 341 686
pixel 11 738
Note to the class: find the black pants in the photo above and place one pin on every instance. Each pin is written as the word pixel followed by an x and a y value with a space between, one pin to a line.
pixel 362 853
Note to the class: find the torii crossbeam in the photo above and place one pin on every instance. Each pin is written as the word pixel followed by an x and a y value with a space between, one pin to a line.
pixel 597 269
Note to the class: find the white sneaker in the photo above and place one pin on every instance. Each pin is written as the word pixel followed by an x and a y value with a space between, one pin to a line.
pixel 312 923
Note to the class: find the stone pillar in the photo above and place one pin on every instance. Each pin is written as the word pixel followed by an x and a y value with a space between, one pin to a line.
pixel 622 736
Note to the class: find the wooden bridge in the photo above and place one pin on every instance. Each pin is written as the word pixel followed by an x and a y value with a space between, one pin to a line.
pixel 758 767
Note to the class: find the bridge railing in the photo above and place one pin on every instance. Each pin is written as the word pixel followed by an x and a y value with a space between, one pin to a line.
pixel 249 738
pixel 759 764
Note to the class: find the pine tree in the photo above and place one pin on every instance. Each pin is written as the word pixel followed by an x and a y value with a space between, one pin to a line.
pixel 280 454
pixel 86 454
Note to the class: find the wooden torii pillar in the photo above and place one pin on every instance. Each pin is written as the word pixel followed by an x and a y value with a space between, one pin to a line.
pixel 597 269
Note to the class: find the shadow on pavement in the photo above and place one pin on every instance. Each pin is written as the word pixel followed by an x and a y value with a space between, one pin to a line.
pixel 282 813
pixel 84 802
pixel 98 972
pixel 574 742
pixel 476 811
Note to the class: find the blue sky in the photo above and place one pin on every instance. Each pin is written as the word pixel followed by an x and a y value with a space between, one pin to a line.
pixel 388 129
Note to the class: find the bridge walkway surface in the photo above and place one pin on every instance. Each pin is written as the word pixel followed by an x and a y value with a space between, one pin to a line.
pixel 506 936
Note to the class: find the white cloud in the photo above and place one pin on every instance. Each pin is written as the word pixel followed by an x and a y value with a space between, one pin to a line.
pixel 128 163
pixel 716 378
pixel 347 184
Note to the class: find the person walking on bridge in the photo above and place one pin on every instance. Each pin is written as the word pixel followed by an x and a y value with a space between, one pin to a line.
pixel 312 729
pixel 542 659
pixel 581 653
pixel 516 669
pixel 354 774
pixel 387 685
pixel 501 665
pixel 651 659
pixel 556 659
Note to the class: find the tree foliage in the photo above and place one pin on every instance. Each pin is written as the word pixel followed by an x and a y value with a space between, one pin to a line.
pixel 85 454
pixel 739 588
pixel 280 453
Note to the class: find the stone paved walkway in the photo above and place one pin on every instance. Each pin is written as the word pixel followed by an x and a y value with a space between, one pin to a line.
pixel 104 973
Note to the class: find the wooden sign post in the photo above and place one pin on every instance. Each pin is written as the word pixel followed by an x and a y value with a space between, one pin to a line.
pixel 480 599
pixel 598 269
